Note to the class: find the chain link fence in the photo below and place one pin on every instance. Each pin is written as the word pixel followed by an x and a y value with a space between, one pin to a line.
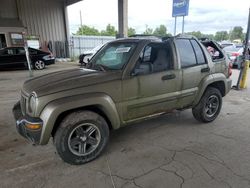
pixel 79 44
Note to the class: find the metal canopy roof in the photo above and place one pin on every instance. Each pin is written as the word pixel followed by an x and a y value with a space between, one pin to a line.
pixel 70 2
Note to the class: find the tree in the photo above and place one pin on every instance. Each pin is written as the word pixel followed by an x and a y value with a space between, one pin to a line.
pixel 199 35
pixel 221 35
pixel 131 31
pixel 160 31
pixel 237 33
pixel 86 30
pixel 148 31
pixel 110 31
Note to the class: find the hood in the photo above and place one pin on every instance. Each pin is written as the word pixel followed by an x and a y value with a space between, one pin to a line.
pixel 66 80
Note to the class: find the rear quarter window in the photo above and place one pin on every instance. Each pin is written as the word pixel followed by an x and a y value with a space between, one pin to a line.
pixel 199 53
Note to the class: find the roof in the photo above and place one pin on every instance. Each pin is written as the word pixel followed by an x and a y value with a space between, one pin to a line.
pixel 10 22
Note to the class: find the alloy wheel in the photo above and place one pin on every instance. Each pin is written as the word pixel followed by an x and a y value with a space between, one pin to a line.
pixel 84 139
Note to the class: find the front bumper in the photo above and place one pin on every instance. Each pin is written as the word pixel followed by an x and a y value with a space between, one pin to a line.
pixel 50 61
pixel 24 122
pixel 228 85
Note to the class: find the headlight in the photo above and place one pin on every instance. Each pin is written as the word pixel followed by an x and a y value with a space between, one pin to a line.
pixel 48 57
pixel 32 103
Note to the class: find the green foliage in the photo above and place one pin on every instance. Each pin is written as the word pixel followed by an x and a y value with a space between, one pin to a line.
pixel 209 36
pixel 148 31
pixel 86 30
pixel 110 31
pixel 199 34
pixel 131 31
pixel 160 31
pixel 236 33
pixel 221 35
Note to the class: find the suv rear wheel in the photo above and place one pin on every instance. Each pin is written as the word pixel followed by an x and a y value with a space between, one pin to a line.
pixel 81 137
pixel 209 106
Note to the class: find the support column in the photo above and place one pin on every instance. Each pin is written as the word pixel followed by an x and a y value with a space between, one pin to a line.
pixel 122 18
pixel 66 30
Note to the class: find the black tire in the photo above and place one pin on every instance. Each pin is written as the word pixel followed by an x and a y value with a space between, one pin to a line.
pixel 203 111
pixel 68 136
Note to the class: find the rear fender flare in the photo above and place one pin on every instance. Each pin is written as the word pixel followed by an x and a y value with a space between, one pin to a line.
pixel 210 79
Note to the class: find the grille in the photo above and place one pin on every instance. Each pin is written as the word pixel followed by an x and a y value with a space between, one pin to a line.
pixel 23 104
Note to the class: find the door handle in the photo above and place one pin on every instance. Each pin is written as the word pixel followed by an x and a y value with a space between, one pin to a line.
pixel 207 69
pixel 168 77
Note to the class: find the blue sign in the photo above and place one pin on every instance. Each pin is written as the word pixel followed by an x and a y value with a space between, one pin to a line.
pixel 180 8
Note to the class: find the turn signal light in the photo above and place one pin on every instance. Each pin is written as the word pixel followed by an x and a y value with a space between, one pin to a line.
pixel 33 126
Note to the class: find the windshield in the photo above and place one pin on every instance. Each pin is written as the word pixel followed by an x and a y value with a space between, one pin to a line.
pixel 113 56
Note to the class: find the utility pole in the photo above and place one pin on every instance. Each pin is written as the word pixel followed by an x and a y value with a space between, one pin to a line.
pixel 183 19
pixel 81 20
pixel 242 80
pixel 26 48
pixel 175 20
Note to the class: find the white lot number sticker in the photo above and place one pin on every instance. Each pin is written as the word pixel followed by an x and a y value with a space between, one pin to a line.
pixel 122 50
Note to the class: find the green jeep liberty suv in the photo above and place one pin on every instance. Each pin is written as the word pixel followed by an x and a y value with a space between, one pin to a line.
pixel 127 80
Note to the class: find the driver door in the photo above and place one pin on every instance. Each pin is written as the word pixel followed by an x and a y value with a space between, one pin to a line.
pixel 155 85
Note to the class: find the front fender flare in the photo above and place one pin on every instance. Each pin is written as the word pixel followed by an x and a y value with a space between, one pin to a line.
pixel 53 109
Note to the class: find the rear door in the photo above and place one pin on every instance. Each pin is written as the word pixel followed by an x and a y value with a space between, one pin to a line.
pixel 7 58
pixel 20 57
pixel 194 68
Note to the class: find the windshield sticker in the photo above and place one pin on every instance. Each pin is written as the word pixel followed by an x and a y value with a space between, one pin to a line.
pixel 122 50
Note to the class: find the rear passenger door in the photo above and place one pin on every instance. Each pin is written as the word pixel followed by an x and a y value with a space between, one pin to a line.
pixel 7 58
pixel 194 68
pixel 20 57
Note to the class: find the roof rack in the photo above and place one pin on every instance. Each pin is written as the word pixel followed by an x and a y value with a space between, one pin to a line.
pixel 142 36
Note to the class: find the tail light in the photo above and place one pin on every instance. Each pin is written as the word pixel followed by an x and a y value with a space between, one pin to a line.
pixel 235 54
pixel 230 69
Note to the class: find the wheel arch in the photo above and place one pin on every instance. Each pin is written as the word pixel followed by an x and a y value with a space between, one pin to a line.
pixel 217 81
pixel 54 112
pixel 94 108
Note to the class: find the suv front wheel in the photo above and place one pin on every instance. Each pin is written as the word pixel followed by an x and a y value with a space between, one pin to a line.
pixel 81 137
pixel 209 106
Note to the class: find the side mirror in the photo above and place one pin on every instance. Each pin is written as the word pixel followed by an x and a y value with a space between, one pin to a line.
pixel 142 69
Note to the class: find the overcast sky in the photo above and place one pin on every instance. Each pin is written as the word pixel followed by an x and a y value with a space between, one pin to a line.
pixel 207 16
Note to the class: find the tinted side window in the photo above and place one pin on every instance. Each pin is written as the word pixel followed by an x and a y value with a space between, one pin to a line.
pixel 159 55
pixel 186 52
pixel 156 57
pixel 199 53
pixel 31 51
pixel 147 53
pixel 8 52
pixel 20 51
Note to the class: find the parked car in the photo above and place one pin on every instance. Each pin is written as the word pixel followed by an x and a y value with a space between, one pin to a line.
pixel 224 44
pixel 15 57
pixel 128 80
pixel 235 53
pixel 86 56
